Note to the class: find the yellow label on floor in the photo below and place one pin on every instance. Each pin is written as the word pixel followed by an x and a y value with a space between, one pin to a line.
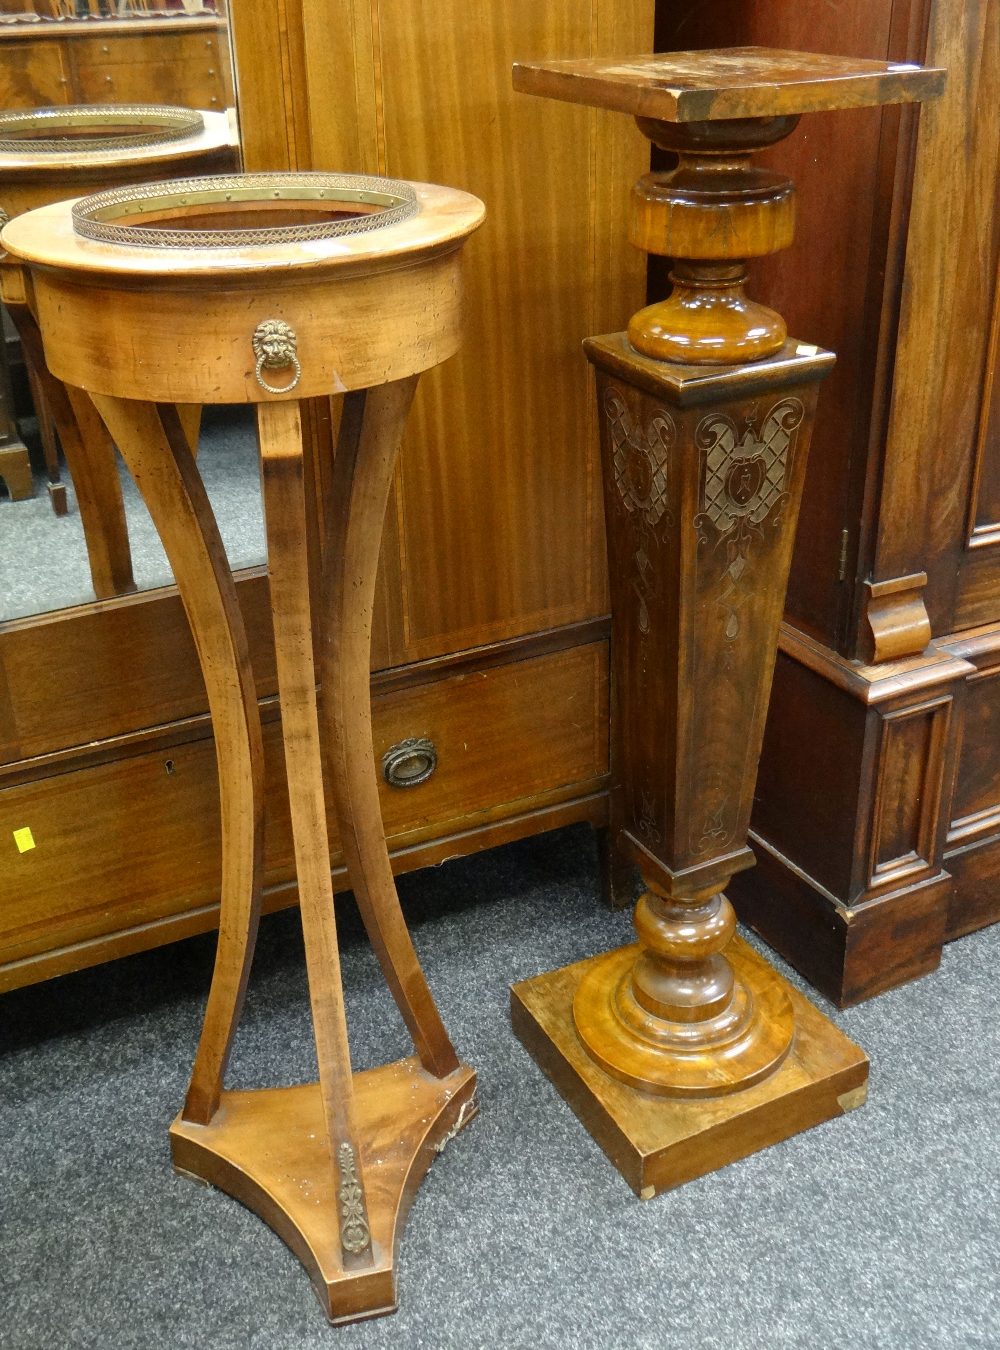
pixel 24 840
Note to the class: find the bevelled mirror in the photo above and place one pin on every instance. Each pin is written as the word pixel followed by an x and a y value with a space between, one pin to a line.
pixel 96 94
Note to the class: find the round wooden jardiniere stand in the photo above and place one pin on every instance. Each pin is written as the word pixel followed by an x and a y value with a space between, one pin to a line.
pixel 272 290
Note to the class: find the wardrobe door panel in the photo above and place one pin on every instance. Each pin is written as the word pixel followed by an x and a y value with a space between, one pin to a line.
pixel 495 526
pixel 498 497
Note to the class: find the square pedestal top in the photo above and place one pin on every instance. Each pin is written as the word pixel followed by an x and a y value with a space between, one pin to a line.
pixel 728 82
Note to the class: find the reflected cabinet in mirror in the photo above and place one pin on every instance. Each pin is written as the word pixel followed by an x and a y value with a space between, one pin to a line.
pixel 114 51
pixel 98 94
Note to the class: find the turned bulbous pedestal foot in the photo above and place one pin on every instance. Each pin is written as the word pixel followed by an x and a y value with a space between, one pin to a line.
pixel 710 214
pixel 707 313
pixel 674 1019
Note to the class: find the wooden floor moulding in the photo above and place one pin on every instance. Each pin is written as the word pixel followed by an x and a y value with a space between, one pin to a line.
pixel 860 896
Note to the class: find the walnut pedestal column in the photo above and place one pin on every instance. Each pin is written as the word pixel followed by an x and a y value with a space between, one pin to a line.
pixel 686 1050
pixel 184 293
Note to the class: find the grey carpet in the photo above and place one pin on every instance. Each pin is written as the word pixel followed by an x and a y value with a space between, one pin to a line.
pixel 878 1230
pixel 43 557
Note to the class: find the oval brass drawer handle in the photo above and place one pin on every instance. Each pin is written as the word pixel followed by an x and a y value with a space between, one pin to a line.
pixel 409 763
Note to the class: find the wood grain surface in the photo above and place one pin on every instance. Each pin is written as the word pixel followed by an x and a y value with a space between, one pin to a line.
pixel 727 83
pixel 395 301
pixel 658 1144
pixel 155 449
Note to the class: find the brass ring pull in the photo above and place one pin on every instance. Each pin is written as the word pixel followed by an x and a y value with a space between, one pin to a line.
pixel 409 763
pixel 274 344
pixel 274 388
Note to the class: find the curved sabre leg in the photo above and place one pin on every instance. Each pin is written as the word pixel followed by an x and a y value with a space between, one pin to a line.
pixel 279 428
pixel 190 418
pixel 153 445
pixel 371 429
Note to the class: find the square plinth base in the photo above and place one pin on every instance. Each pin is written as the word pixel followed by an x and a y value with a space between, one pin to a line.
pixel 659 1142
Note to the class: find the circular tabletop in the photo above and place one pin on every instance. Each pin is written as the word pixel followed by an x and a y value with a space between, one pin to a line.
pixel 336 281
pixel 217 132
pixel 441 218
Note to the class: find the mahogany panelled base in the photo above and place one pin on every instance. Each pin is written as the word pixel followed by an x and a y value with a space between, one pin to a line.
pixel 658 1143
pixel 268 1148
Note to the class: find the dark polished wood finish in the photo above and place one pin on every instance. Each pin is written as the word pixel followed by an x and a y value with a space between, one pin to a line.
pixel 876 819
pixel 706 410
pixel 703 469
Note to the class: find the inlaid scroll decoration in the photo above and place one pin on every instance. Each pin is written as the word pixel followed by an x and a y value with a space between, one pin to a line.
pixel 716 830
pixel 639 459
pixel 640 456
pixel 354 1232
pixel 645 817
pixel 742 498
pixel 743 491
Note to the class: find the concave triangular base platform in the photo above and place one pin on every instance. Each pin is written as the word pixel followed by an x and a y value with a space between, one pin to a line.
pixel 658 1142
pixel 269 1149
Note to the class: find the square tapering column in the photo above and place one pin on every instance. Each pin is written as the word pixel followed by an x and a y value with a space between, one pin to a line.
pixel 687 1051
